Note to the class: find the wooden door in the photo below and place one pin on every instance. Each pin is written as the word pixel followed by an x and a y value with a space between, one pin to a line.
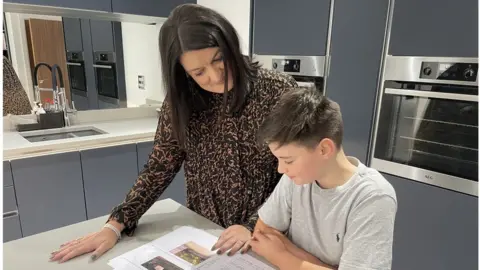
pixel 46 43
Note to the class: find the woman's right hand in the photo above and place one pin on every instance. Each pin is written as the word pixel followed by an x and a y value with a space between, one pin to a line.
pixel 98 243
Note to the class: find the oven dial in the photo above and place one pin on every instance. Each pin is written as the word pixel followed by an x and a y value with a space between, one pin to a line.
pixel 469 73
pixel 427 71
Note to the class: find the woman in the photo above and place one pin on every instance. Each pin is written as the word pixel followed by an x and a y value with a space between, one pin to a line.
pixel 15 99
pixel 216 99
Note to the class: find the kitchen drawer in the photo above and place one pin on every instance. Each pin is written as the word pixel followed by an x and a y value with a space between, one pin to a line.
pixel 11 228
pixel 7 174
pixel 9 201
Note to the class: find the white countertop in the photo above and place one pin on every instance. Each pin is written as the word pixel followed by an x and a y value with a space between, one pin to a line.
pixel 164 216
pixel 117 132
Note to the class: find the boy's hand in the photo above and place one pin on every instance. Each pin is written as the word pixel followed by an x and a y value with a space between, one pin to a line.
pixel 269 246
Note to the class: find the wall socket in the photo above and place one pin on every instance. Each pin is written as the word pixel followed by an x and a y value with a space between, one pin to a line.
pixel 141 82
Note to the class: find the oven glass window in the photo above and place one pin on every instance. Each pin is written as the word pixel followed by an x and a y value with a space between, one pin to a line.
pixel 106 81
pixel 436 134
pixel 77 77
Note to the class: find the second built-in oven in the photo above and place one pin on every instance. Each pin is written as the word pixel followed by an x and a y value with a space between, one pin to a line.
pixel 106 77
pixel 427 122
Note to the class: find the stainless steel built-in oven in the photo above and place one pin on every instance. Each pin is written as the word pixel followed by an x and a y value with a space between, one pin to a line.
pixel 308 71
pixel 106 77
pixel 76 73
pixel 427 122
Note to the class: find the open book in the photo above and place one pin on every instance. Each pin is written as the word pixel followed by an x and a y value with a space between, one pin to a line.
pixel 185 248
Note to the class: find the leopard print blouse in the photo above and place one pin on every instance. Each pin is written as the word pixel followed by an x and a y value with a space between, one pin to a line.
pixel 15 99
pixel 228 176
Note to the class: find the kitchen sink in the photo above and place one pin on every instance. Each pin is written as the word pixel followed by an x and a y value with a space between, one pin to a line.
pixel 60 133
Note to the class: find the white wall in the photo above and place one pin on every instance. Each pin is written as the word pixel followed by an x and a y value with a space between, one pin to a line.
pixel 142 57
pixel 238 13
pixel 17 39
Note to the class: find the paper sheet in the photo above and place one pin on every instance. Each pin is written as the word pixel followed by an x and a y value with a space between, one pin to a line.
pixel 184 248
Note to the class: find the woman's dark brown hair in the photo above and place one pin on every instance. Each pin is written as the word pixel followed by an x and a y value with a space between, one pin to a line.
pixel 193 27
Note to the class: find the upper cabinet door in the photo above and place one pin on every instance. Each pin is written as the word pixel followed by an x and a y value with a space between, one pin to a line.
pixel 154 8
pixel 286 27
pixel 73 34
pixel 99 5
pixel 435 28
pixel 102 36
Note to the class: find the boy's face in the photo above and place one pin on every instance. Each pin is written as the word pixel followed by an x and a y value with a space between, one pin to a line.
pixel 301 164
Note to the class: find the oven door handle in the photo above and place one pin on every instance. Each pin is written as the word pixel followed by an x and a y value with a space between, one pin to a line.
pixel 440 95
pixel 73 64
pixel 305 84
pixel 102 66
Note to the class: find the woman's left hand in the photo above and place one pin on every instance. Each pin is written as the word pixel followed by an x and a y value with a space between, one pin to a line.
pixel 234 238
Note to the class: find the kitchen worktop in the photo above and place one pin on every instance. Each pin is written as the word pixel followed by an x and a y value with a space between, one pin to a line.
pixel 117 131
pixel 163 217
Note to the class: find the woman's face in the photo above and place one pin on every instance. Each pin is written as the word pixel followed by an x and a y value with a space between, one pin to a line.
pixel 206 67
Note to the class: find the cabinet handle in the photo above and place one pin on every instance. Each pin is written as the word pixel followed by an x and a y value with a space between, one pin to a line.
pixel 10 214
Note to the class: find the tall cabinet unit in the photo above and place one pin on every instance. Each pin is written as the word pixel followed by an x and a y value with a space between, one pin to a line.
pixel 435 228
pixel 103 79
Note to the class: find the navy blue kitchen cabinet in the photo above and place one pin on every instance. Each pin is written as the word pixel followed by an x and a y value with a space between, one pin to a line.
pixel 98 5
pixel 153 8
pixel 176 191
pixel 358 36
pixel 7 174
pixel 435 228
pixel 435 28
pixel 11 221
pixel 73 34
pixel 285 27
pixel 102 35
pixel 108 174
pixel 49 191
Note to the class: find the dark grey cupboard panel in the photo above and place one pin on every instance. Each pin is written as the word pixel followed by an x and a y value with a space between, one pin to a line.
pixel 285 27
pixel 356 52
pixel 435 228
pixel 108 174
pixel 7 174
pixel 49 191
pixel 435 28
pixel 73 34
pixel 11 228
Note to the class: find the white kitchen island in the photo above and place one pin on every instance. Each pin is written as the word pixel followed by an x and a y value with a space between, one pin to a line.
pixel 164 216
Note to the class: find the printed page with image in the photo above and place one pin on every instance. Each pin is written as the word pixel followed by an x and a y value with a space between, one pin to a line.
pixel 185 248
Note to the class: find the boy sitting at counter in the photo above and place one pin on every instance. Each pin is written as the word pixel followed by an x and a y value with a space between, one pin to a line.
pixel 337 213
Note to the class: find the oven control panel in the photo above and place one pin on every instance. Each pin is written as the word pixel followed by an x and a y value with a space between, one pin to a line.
pixel 286 65
pixel 449 71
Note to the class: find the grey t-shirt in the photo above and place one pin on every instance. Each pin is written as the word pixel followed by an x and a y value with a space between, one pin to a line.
pixel 350 226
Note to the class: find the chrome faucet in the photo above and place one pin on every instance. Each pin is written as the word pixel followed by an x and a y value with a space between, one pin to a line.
pixel 62 95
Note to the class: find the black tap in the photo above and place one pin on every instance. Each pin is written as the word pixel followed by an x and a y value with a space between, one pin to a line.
pixel 55 69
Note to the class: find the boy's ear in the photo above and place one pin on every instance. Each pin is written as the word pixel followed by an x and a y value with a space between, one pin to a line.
pixel 326 147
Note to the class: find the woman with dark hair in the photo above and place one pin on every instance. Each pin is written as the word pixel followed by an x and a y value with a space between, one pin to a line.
pixel 216 100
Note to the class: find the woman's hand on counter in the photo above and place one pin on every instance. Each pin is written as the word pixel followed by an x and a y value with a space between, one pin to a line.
pixel 98 243
pixel 234 238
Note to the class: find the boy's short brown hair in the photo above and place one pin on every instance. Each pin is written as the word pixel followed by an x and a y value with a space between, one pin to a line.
pixel 305 117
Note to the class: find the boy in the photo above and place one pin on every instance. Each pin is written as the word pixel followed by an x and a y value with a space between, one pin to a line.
pixel 338 213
